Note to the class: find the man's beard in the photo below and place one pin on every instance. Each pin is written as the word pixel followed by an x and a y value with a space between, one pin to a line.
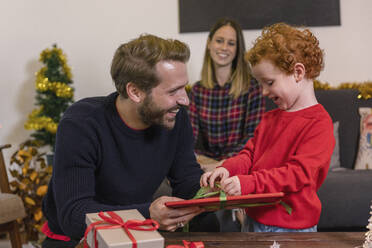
pixel 151 114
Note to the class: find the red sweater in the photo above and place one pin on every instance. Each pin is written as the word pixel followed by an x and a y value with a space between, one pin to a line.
pixel 290 152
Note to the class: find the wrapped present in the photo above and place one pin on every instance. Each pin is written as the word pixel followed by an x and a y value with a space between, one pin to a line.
pixel 212 200
pixel 122 229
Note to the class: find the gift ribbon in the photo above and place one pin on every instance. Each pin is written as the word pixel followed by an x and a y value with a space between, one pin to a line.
pixel 187 244
pixel 223 199
pixel 115 221
pixel 205 192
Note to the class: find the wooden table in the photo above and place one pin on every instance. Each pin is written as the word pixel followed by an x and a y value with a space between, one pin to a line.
pixel 258 240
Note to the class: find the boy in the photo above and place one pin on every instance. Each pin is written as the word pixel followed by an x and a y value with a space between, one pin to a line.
pixel 292 146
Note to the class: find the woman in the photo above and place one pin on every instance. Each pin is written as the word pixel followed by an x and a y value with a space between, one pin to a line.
pixel 226 104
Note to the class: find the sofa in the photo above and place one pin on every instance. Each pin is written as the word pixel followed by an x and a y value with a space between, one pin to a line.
pixel 346 193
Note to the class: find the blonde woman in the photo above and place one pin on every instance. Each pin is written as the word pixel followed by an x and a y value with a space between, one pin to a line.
pixel 226 104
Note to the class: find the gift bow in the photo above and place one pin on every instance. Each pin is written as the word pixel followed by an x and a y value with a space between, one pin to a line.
pixel 188 245
pixel 115 221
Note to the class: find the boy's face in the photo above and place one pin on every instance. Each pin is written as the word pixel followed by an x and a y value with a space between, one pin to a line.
pixel 280 87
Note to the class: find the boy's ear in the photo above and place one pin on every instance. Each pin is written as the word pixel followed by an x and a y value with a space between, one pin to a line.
pixel 299 71
pixel 134 93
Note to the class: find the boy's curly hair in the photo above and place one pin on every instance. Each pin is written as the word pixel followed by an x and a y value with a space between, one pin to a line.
pixel 285 46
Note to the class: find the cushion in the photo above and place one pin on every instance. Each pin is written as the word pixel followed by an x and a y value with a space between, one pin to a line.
pixel 11 207
pixel 335 159
pixel 342 106
pixel 364 157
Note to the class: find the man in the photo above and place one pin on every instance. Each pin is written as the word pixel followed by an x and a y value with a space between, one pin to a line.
pixel 113 152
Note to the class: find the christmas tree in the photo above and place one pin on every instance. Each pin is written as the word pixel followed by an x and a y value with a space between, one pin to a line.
pixel 29 170
pixel 53 95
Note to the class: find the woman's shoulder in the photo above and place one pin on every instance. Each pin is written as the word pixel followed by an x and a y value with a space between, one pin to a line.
pixel 197 85
pixel 198 88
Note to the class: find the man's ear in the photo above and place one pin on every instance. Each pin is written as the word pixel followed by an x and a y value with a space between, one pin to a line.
pixel 134 93
pixel 299 71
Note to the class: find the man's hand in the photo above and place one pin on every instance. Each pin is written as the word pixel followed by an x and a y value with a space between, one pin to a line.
pixel 231 186
pixel 209 178
pixel 170 219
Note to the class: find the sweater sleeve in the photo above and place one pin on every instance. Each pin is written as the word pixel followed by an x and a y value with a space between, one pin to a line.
pixel 241 163
pixel 307 166
pixel 75 166
pixel 185 173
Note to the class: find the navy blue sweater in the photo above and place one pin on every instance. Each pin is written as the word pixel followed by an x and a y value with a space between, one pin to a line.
pixel 100 164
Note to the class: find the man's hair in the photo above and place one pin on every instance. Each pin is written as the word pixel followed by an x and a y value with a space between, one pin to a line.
pixel 284 46
pixel 135 61
pixel 240 71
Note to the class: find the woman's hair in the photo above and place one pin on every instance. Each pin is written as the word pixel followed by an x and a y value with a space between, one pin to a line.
pixel 240 75
pixel 135 61
pixel 285 46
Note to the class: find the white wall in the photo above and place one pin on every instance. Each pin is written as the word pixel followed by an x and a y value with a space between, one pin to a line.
pixel 89 31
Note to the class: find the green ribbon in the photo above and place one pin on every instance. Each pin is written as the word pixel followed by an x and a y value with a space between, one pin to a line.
pixel 223 199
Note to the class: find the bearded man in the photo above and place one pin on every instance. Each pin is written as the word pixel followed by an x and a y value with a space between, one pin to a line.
pixel 113 152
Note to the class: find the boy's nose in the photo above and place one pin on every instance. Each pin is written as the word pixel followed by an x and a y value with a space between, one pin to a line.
pixel 265 92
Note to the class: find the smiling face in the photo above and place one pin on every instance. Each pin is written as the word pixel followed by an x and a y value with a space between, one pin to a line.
pixel 223 45
pixel 162 104
pixel 280 87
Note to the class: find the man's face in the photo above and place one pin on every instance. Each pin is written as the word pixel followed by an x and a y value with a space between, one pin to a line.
pixel 161 105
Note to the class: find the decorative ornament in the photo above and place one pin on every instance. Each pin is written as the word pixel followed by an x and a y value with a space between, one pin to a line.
pixel 365 88
pixel 31 177
pixel 368 240
pixel 275 245
pixel 37 122
pixel 59 88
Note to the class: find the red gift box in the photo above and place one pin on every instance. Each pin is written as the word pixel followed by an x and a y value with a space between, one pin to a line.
pixel 230 201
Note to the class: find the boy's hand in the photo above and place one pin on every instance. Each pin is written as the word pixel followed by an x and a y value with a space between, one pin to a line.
pixel 209 178
pixel 231 186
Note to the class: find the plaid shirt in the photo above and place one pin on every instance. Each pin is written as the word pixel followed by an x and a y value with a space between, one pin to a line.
pixel 222 125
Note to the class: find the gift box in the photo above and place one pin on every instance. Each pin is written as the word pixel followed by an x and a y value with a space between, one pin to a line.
pixel 119 229
pixel 242 201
